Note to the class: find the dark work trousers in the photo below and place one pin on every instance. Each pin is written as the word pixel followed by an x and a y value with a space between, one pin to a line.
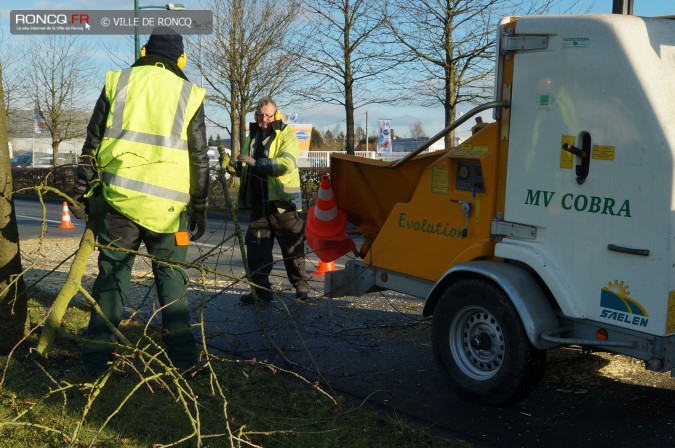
pixel 288 228
pixel 112 285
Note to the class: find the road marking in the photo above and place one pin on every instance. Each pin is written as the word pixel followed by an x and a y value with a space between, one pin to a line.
pixel 53 221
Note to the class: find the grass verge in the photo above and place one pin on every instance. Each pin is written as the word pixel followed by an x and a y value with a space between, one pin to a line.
pixel 142 402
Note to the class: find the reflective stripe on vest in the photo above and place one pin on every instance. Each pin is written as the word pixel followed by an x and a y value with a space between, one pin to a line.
pixel 142 187
pixel 143 158
pixel 116 131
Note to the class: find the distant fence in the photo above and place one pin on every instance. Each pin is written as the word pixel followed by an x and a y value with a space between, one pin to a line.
pixel 321 159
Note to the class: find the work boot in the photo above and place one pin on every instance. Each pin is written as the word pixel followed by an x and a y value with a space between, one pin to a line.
pixel 301 291
pixel 249 299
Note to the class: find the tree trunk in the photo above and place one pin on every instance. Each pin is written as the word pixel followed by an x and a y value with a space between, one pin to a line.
pixel 55 152
pixel 241 130
pixel 449 105
pixel 235 146
pixel 349 108
pixel 13 300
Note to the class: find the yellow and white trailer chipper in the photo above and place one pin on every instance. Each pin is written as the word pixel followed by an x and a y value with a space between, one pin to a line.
pixel 552 226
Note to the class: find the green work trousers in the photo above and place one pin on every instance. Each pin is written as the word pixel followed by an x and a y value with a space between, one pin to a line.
pixel 111 288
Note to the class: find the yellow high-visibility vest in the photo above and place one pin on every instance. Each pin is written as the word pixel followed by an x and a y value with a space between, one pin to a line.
pixel 143 158
pixel 284 181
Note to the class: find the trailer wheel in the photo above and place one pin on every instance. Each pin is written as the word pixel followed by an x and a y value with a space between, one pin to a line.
pixel 481 347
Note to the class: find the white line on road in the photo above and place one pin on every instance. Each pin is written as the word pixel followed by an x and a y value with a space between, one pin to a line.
pixel 53 221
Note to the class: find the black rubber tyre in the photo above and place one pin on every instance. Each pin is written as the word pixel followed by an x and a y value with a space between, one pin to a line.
pixel 481 347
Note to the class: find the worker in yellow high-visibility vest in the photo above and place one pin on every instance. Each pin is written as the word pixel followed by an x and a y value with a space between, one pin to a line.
pixel 145 160
pixel 270 187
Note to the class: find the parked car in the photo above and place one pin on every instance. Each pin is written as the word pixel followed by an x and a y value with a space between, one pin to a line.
pixel 22 160
pixel 39 160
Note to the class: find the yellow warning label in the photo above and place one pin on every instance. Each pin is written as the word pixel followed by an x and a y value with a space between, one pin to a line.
pixel 566 157
pixel 469 151
pixel 477 151
pixel 462 150
pixel 440 180
pixel 603 152
pixel 670 320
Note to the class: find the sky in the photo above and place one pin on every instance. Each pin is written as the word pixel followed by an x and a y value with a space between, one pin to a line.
pixel 323 116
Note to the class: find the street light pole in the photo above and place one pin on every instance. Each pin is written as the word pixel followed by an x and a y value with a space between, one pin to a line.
pixel 136 49
pixel 168 7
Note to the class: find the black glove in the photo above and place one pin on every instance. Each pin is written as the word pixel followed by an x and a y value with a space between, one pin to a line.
pixel 80 207
pixel 198 220
pixel 250 161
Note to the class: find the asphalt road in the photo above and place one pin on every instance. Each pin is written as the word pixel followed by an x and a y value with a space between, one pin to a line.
pixel 376 349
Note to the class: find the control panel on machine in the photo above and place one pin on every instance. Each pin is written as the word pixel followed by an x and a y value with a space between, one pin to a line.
pixel 469 177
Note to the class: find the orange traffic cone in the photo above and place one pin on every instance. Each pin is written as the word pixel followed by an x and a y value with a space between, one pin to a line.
pixel 326 227
pixel 325 221
pixel 328 251
pixel 324 267
pixel 66 223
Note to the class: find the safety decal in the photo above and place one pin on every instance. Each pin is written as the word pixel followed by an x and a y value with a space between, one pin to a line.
pixel 566 157
pixel 617 305
pixel 461 150
pixel 603 152
pixel 440 180
pixel 468 150
pixel 670 319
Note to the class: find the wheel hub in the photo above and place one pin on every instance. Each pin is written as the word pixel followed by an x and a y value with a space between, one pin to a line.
pixel 481 341
pixel 477 342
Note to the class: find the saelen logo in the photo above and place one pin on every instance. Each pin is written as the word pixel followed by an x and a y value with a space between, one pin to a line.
pixel 618 306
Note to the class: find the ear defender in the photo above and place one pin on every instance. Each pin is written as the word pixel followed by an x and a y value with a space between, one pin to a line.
pixel 143 51
pixel 182 61
pixel 277 115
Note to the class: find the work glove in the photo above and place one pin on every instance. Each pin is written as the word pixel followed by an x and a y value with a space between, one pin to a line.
pixel 87 203
pixel 80 206
pixel 227 163
pixel 250 161
pixel 198 221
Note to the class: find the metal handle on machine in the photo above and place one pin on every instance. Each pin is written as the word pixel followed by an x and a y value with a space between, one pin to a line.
pixel 574 150
pixel 452 126
pixel 628 250
pixel 467 207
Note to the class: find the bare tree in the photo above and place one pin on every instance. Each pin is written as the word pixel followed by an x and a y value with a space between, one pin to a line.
pixel 359 134
pixel 346 56
pixel 452 43
pixel 245 57
pixel 13 301
pixel 11 82
pixel 416 130
pixel 59 76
